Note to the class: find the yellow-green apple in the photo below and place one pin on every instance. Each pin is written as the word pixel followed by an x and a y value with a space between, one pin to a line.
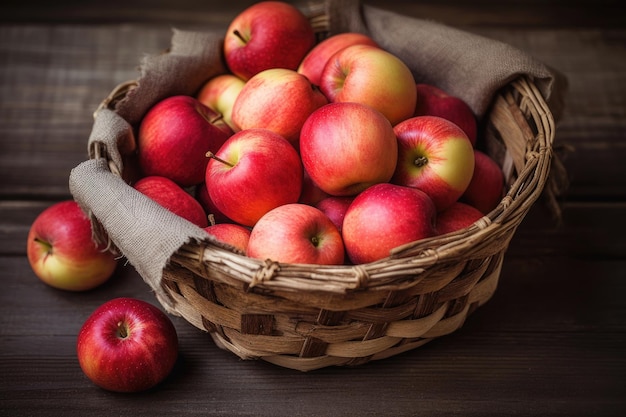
pixel 277 99
pixel 347 147
pixel 219 93
pixel 171 196
pixel 335 208
pixel 370 75
pixel 174 136
pixel 201 194
pixel 313 63
pixel 457 216
pixel 435 156
pixel 255 171
pixel 268 34
pixel 384 217
pixel 127 345
pixel 433 101
pixel 296 233
pixel 486 189
pixel 61 251
pixel 232 234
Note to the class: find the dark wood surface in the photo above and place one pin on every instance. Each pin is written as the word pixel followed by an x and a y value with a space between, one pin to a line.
pixel 551 342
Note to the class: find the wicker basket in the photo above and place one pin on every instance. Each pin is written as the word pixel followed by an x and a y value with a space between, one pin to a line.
pixel 307 317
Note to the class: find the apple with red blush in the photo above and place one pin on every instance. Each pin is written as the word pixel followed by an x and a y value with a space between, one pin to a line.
pixel 296 233
pixel 232 234
pixel 335 208
pixel 433 101
pixel 486 188
pixel 255 171
pixel 347 147
pixel 436 156
pixel 174 136
pixel 267 34
pixel 370 75
pixel 214 215
pixel 174 198
pixel 61 252
pixel 456 217
pixel 219 93
pixel 314 62
pixel 127 345
pixel 386 216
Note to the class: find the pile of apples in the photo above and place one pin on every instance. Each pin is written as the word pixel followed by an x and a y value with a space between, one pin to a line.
pixel 315 153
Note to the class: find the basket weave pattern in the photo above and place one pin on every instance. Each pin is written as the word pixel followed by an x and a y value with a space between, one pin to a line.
pixel 308 317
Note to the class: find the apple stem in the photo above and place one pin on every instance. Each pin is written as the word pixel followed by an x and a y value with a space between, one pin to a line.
pixel 122 330
pixel 210 154
pixel 239 35
pixel 420 161
pixel 315 241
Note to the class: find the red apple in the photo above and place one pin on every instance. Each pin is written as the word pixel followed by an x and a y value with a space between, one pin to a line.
pixel 171 196
pixel 127 345
pixel 486 189
pixel 370 75
pixel 233 234
pixel 313 63
pixel 311 194
pixel 433 101
pixel 277 99
pixel 174 136
pixel 384 217
pixel 435 156
pixel 202 195
pixel 268 34
pixel 457 216
pixel 346 147
pixel 61 251
pixel 255 171
pixel 219 94
pixel 335 208
pixel 296 233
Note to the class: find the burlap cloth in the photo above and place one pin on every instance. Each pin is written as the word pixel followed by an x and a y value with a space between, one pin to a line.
pixel 466 65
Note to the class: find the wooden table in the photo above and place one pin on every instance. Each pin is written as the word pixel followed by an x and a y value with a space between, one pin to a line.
pixel 551 342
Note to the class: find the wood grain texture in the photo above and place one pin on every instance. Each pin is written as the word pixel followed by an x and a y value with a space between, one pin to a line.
pixel 549 343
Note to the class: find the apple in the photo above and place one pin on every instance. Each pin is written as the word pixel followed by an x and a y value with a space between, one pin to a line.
pixel 370 75
pixel 255 171
pixel 457 216
pixel 335 208
pixel 219 94
pixel 311 194
pixel 171 196
pixel 127 345
pixel 201 194
pixel 232 234
pixel 486 188
pixel 174 136
pixel 384 217
pixel 313 63
pixel 61 251
pixel 277 99
pixel 436 156
pixel 268 34
pixel 433 101
pixel 347 147
pixel 296 233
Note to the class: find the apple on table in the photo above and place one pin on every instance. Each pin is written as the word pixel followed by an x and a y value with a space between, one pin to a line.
pixel 268 34
pixel 370 75
pixel 436 156
pixel 386 216
pixel 61 252
pixel 296 233
pixel 346 147
pixel 255 171
pixel 127 345
pixel 174 136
